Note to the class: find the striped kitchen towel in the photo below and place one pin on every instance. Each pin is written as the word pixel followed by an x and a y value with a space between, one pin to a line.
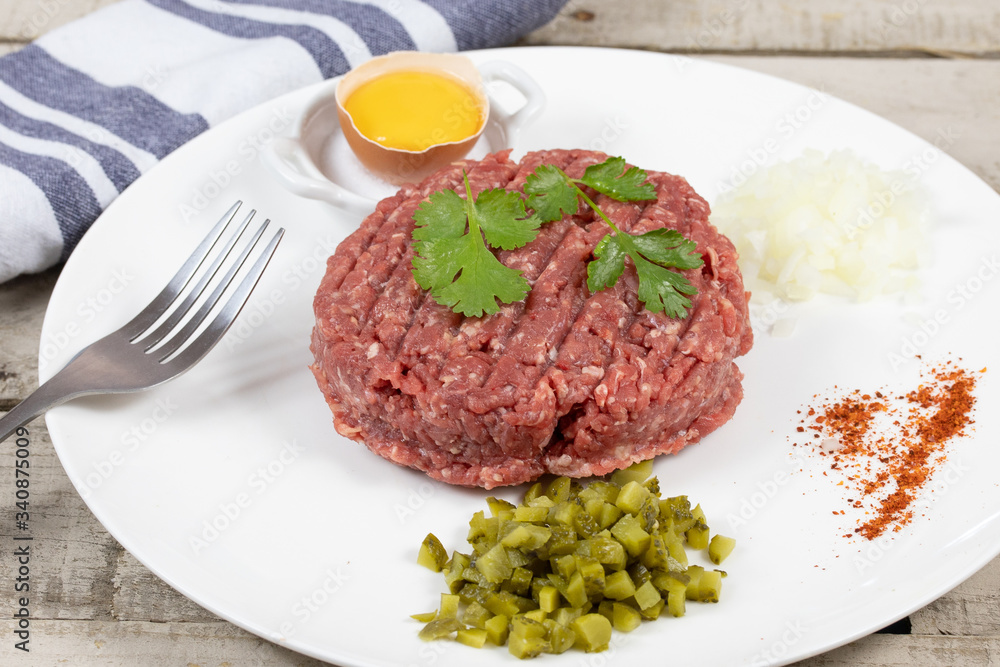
pixel 91 106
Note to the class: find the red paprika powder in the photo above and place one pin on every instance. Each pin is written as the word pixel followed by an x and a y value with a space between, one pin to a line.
pixel 888 447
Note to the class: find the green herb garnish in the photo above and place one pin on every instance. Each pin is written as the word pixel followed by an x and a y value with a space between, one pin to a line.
pixel 552 194
pixel 454 262
pixel 452 259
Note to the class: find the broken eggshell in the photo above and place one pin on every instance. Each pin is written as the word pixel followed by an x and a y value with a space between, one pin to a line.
pixel 396 165
pixel 318 163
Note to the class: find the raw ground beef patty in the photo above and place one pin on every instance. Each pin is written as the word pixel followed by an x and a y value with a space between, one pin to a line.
pixel 566 382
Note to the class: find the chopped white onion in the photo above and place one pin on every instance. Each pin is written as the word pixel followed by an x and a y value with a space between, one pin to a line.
pixel 833 224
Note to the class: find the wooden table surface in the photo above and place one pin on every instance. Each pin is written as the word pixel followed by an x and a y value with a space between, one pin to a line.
pixel 930 66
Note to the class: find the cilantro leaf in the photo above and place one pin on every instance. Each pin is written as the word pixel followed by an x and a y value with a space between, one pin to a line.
pixel 550 193
pixel 668 247
pixel 654 254
pixel 453 237
pixel 605 271
pixel 501 215
pixel 483 279
pixel 442 216
pixel 452 259
pixel 607 178
pixel 662 290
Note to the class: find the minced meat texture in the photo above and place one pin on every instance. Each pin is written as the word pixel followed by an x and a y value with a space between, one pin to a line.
pixel 567 381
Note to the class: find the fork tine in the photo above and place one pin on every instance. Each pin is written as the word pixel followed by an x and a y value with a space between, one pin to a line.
pixel 208 338
pixel 178 339
pixel 159 305
pixel 178 313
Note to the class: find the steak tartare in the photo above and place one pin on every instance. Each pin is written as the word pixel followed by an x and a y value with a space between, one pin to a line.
pixel 567 381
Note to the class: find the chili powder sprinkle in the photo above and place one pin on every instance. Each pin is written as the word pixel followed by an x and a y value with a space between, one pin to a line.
pixel 888 447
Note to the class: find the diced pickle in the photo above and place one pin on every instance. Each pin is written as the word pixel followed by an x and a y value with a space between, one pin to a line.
pixel 585 524
pixel 508 604
pixel 608 551
pixel 474 637
pixel 709 586
pixel 576 590
pixel 534 491
pixel 609 514
pixel 566 615
pixel 494 564
pixel 560 637
pixel 564 566
pixel 652 613
pixel 472 592
pixel 593 632
pixel 558 490
pixel 605 609
pixel 527 536
pixel 618 585
pixel 449 606
pixel 439 629
pixel 632 497
pixel 697 536
pixel 624 618
pixel 536 615
pixel 528 514
pixel 496 630
pixel 720 547
pixel 693 587
pixel 571 563
pixel 475 614
pixel 698 514
pixel 425 617
pixel 628 531
pixel 647 595
pixel 656 555
pixel 541 501
pixel 526 638
pixel 498 506
pixel 564 513
pixel 607 491
pixel 432 554
pixel 562 542
pixel 548 598
pixel 637 472
pixel 592 573
pixel 519 582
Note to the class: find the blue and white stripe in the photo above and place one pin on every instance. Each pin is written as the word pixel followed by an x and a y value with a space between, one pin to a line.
pixel 91 106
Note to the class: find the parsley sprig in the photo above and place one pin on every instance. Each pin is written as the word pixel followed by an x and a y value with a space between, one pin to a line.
pixel 552 194
pixel 453 261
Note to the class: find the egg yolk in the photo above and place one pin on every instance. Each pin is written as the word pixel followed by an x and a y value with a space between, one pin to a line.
pixel 413 110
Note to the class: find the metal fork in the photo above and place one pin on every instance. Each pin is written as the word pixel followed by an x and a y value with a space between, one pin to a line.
pixel 159 344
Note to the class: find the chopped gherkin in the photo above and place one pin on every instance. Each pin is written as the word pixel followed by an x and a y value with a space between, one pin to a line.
pixel 432 554
pixel 571 563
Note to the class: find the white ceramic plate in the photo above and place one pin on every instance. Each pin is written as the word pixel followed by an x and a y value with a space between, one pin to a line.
pixel 231 485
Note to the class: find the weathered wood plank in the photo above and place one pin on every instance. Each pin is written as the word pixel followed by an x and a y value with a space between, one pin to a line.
pixel 972 609
pixel 911 651
pixel 22 309
pixel 83 574
pixel 22 21
pixel 920 27
pixel 83 643
pixel 954 104
pixel 72 556
pixel 140 595
pixel 927 27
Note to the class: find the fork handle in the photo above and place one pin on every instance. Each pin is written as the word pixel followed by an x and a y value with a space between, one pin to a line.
pixel 49 394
